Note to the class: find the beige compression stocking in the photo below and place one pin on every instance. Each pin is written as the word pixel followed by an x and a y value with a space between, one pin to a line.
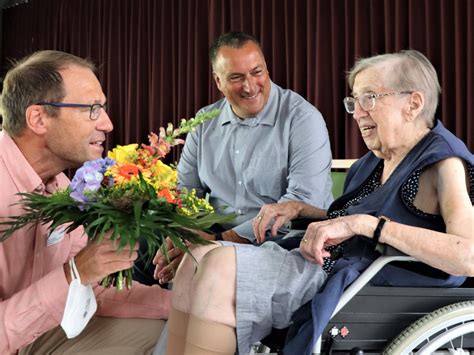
pixel 177 329
pixel 210 338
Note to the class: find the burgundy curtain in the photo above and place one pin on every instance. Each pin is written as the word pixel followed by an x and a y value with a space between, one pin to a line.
pixel 155 69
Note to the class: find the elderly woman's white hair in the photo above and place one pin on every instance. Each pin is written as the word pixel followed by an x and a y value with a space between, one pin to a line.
pixel 409 70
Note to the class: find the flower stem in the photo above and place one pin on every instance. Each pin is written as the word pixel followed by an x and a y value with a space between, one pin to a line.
pixel 119 280
pixel 129 277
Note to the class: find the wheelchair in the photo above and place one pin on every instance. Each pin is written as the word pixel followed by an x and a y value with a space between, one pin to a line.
pixel 394 320
pixel 389 320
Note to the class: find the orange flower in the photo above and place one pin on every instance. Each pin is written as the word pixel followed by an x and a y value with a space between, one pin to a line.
pixel 123 173
pixel 167 195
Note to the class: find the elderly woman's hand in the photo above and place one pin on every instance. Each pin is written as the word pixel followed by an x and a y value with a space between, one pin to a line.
pixel 321 235
pixel 278 213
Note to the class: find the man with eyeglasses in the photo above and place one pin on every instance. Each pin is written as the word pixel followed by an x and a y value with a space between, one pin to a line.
pixel 413 191
pixel 54 118
pixel 94 109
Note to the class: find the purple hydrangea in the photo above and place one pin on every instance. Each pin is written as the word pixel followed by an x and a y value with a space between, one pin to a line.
pixel 88 180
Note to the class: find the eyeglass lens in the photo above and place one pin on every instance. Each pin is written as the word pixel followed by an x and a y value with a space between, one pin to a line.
pixel 95 110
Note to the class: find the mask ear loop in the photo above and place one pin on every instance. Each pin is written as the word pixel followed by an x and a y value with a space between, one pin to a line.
pixel 74 271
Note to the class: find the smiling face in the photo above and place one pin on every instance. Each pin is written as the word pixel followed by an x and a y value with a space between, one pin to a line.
pixel 72 138
pixel 241 75
pixel 382 128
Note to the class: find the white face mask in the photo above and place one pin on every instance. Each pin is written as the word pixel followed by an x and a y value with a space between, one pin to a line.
pixel 80 305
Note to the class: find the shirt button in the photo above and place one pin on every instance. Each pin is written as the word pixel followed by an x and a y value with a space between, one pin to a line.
pixel 237 151
pixel 240 183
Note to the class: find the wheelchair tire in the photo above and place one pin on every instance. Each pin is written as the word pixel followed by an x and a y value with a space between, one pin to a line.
pixel 432 326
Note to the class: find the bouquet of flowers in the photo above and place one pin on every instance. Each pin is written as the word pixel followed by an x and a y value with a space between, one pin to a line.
pixel 131 192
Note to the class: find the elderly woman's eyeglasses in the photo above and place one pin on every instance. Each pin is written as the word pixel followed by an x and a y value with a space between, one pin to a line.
pixel 367 101
pixel 94 109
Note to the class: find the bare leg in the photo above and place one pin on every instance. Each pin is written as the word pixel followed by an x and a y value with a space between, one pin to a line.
pixel 179 314
pixel 211 327
pixel 182 283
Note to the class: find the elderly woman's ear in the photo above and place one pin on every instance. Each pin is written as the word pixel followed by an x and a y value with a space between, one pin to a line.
pixel 415 104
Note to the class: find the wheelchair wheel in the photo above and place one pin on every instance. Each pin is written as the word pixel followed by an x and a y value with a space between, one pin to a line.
pixel 441 329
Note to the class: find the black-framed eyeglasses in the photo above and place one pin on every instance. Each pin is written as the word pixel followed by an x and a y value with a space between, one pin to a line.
pixel 367 101
pixel 94 109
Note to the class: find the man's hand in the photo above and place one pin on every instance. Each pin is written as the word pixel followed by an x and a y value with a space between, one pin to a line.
pixel 164 271
pixel 99 259
pixel 279 213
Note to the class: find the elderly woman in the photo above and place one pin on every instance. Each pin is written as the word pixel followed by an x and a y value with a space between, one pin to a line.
pixel 414 191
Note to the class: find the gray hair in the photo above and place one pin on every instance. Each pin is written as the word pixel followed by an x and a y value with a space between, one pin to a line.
pixel 35 79
pixel 409 70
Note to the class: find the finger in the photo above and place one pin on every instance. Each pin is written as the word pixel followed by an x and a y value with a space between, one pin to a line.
pixel 168 243
pixel 319 251
pixel 263 225
pixel 172 267
pixel 258 235
pixel 175 254
pixel 157 257
pixel 255 228
pixel 161 265
pixel 163 259
pixel 306 254
pixel 164 276
pixel 157 272
pixel 279 222
pixel 256 222
pixel 169 271
pixel 168 246
pixel 320 255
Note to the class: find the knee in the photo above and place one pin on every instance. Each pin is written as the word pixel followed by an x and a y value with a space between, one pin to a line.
pixel 216 270
pixel 188 267
pixel 214 287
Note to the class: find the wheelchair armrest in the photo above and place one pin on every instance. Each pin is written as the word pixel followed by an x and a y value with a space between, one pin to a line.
pixel 387 250
pixel 366 276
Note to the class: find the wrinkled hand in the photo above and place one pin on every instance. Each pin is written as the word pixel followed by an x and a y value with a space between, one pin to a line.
pixel 279 213
pixel 99 259
pixel 320 235
pixel 164 271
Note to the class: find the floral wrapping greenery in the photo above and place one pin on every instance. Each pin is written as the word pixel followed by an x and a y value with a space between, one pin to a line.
pixel 131 192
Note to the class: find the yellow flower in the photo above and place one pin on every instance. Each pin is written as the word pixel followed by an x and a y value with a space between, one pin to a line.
pixel 124 154
pixel 163 176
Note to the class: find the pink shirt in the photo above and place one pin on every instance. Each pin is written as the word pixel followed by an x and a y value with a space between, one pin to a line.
pixel 33 286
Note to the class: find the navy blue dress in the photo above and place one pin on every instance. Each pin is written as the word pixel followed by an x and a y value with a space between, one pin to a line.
pixel 390 200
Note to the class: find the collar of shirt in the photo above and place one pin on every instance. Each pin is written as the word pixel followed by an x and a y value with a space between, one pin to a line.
pixel 266 117
pixel 25 177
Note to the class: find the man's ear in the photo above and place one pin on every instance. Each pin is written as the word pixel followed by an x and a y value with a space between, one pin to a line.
pixel 416 104
pixel 217 80
pixel 36 119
